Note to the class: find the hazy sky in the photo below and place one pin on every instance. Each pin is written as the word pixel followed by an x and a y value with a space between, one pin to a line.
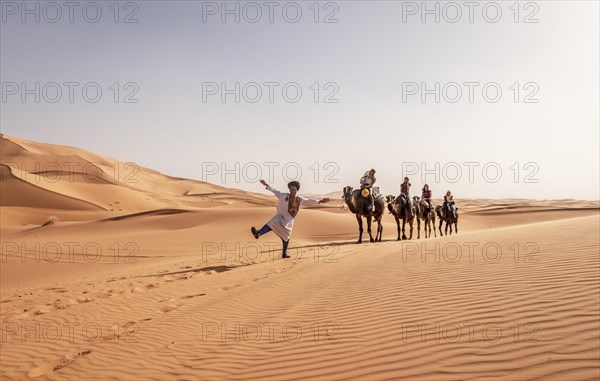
pixel 367 72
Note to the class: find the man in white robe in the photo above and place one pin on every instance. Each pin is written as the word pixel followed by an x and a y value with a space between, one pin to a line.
pixel 287 208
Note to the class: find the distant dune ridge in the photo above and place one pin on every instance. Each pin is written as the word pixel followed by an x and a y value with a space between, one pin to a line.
pixel 71 178
pixel 114 271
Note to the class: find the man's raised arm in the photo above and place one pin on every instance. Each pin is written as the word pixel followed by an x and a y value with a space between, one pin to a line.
pixel 270 188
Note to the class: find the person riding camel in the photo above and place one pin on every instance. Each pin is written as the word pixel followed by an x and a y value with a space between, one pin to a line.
pixel 426 196
pixel 405 194
pixel 287 208
pixel 449 203
pixel 367 181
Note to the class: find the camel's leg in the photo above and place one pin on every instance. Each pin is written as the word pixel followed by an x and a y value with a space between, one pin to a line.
pixel 379 229
pixel 369 228
pixel 360 228
pixel 434 232
pixel 404 228
pixel 418 228
pixel 398 225
pixel 410 224
pixel 440 227
pixel 456 226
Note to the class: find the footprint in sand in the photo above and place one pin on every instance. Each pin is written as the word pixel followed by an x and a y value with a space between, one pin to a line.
pixel 40 311
pixel 191 296
pixel 84 299
pixel 111 337
pixel 123 333
pixel 231 286
pixel 144 287
pixel 62 303
pixel 57 289
pixel 53 366
pixel 116 279
pixel 169 308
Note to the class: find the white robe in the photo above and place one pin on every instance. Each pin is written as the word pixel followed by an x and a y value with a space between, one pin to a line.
pixel 283 222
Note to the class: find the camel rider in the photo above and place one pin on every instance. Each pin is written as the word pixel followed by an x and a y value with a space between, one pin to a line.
pixel 405 193
pixel 449 203
pixel 367 181
pixel 426 196
pixel 287 209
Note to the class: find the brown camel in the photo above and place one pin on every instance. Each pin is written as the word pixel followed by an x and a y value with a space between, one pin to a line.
pixel 427 217
pixel 447 216
pixel 399 209
pixel 361 207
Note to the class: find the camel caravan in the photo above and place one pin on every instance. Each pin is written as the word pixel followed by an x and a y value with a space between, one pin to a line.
pixel 368 202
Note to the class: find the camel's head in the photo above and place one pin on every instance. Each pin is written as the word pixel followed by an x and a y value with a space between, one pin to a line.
pixel 347 192
pixel 390 199
pixel 416 199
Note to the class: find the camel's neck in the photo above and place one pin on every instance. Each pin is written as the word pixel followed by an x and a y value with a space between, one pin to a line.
pixel 351 205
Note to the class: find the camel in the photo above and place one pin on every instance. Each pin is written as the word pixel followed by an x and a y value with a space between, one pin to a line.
pixel 398 209
pixel 446 216
pixel 361 207
pixel 428 218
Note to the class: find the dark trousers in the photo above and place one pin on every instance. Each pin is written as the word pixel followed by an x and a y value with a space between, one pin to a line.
pixel 265 229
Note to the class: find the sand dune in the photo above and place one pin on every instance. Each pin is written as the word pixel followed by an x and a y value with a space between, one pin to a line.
pixel 18 192
pixel 175 287
pixel 104 183
pixel 378 311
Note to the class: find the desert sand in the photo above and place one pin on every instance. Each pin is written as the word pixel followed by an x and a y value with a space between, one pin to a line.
pixel 113 271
